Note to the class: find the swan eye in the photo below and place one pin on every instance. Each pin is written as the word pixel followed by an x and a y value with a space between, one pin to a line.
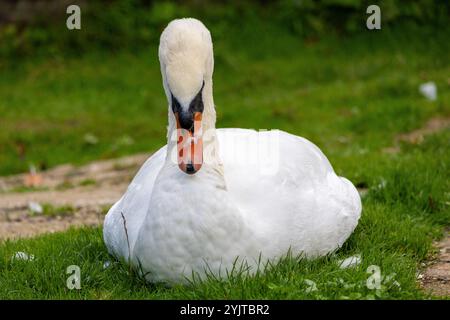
pixel 196 104
pixel 176 107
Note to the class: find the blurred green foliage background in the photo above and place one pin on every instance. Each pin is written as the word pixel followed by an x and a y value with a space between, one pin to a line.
pixel 37 27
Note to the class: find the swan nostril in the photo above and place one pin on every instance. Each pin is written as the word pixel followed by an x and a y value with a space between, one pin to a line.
pixel 190 168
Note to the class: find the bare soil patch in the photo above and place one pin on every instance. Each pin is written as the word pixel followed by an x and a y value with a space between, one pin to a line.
pixel 89 190
pixel 432 126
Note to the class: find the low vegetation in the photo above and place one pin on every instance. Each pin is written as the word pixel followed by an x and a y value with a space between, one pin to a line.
pixel 351 95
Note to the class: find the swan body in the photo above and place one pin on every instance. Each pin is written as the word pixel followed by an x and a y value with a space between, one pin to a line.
pixel 257 194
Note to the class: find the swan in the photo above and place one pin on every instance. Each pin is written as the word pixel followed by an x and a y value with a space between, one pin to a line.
pixel 212 198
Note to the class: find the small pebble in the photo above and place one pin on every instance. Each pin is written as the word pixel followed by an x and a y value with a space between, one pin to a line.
pixel 35 207
pixel 350 262
pixel 429 90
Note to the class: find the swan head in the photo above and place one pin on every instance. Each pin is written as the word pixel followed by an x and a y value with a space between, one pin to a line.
pixel 186 58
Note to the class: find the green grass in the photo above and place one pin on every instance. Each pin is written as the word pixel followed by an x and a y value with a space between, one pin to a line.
pixel 51 211
pixel 88 182
pixel 350 96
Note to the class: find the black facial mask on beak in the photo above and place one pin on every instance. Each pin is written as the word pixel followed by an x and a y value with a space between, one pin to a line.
pixel 189 133
pixel 186 117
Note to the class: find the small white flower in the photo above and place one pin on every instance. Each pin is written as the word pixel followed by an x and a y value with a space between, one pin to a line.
pixel 107 264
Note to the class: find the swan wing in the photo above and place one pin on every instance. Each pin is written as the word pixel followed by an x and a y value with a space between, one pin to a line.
pixel 124 219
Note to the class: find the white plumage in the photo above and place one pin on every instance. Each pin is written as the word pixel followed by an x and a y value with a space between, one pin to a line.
pixel 257 195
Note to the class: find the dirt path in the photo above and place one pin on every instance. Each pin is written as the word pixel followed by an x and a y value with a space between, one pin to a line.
pixel 436 278
pixel 75 196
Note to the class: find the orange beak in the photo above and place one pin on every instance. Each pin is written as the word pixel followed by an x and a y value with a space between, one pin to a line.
pixel 190 145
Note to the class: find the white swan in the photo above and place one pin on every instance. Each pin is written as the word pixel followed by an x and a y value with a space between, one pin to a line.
pixel 210 198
